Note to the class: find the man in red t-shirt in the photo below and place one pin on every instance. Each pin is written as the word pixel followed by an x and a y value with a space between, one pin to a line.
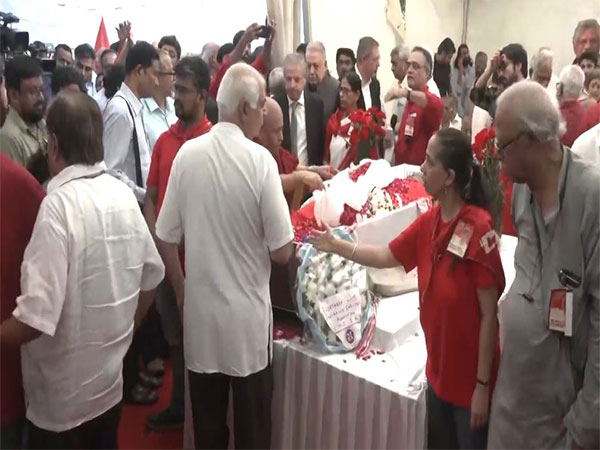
pixel 20 199
pixel 241 51
pixel 423 112
pixel 192 79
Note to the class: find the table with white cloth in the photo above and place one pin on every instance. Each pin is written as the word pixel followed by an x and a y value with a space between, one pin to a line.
pixel 339 401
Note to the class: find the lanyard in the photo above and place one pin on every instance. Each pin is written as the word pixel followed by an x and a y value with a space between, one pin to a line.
pixel 561 197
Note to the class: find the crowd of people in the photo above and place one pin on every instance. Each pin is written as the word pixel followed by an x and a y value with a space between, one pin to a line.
pixel 145 205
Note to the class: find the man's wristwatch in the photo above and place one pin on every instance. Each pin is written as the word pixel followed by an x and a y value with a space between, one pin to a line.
pixel 483 383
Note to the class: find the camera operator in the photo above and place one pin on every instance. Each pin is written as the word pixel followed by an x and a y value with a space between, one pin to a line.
pixel 23 137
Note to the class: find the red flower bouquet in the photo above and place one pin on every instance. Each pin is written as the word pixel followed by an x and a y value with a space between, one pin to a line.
pixel 368 129
pixel 486 154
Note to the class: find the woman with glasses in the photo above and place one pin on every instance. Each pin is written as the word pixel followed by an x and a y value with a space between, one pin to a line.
pixel 460 278
pixel 340 148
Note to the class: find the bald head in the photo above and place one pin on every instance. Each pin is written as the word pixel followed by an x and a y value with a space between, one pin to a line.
pixel 528 129
pixel 75 127
pixel 271 133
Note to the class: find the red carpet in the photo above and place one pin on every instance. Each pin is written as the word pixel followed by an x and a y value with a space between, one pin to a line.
pixel 133 433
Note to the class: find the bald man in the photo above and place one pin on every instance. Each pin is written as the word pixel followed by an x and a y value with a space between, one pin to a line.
pixel 87 279
pixel 291 172
pixel 209 56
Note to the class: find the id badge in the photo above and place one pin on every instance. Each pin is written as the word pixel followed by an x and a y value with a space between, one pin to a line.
pixel 409 128
pixel 561 311
pixel 460 239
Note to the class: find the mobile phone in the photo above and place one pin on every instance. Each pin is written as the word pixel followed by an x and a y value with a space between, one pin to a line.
pixel 265 30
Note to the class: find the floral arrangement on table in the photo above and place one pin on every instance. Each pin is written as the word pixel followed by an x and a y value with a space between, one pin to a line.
pixel 368 128
pixel 334 300
pixel 398 193
pixel 485 151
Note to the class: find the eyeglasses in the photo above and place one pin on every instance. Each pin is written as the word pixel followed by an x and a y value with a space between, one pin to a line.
pixel 172 74
pixel 502 148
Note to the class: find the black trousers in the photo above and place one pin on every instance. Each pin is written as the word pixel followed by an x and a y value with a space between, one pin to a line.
pixel 252 396
pixel 98 433
pixel 449 426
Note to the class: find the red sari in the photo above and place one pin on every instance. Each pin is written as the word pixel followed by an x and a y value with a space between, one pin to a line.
pixel 336 129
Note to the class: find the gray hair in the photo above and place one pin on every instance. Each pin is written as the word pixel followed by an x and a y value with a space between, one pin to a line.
pixel 276 82
pixel 240 83
pixel 401 51
pixel 294 59
pixel 316 46
pixel 586 25
pixel 535 110
pixel 572 80
pixel 209 50
pixel 365 47
pixel 541 59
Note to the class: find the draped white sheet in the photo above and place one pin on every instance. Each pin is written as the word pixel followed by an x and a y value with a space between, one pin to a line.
pixel 337 401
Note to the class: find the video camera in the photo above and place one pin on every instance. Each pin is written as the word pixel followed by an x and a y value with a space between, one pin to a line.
pixel 12 42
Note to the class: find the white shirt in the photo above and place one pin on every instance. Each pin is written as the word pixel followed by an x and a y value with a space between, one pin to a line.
pixel 301 140
pixel 366 91
pixel 455 123
pixel 225 199
pixel 101 99
pixel 156 120
pixel 89 255
pixel 588 145
pixel 118 140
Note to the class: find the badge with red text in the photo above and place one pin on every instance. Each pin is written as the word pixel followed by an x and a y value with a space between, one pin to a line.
pixel 460 239
pixel 561 311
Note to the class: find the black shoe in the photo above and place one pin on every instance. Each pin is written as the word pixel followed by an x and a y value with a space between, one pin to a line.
pixel 164 420
pixel 140 395
pixel 151 381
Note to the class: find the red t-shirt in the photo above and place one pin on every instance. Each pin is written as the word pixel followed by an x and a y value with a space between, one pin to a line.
pixel 259 64
pixel 20 199
pixel 286 162
pixel 449 306
pixel 592 117
pixel 165 150
pixel 574 115
pixel 416 128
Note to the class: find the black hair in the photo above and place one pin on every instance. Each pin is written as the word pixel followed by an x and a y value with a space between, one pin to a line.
pixel 65 76
pixel 593 75
pixel 113 78
pixel 460 47
pixel 105 52
pixel 76 120
pixel 426 55
pixel 517 54
pixel 590 56
pixel 142 54
pixel 224 50
pixel 343 51
pixel 115 46
pixel 237 37
pixel 21 68
pixel 64 47
pixel 446 46
pixel 172 41
pixel 356 85
pixel 84 51
pixel 456 153
pixel 301 48
pixel 195 67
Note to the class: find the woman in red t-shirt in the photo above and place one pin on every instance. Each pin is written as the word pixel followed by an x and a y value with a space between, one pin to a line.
pixel 460 279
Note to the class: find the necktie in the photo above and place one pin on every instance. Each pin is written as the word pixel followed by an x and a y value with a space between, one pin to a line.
pixel 294 130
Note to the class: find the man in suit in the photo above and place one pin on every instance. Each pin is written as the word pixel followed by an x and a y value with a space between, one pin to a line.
pixel 319 79
pixel 367 63
pixel 303 114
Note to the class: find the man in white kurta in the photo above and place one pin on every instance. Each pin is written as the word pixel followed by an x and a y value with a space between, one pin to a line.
pixel 225 200
pixel 547 394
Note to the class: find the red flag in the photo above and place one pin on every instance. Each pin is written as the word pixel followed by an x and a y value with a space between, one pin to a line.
pixel 102 38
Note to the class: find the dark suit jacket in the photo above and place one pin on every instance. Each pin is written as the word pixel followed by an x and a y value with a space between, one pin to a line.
pixel 375 89
pixel 315 125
